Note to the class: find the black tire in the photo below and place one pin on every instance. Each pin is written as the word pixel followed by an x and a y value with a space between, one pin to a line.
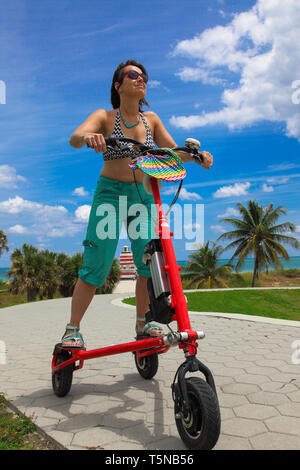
pixel 62 379
pixel 201 429
pixel 147 366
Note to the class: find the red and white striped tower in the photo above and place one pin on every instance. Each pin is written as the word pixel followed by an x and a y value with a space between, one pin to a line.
pixel 127 266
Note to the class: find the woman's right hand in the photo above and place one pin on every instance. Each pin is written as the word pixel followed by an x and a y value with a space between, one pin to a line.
pixel 95 141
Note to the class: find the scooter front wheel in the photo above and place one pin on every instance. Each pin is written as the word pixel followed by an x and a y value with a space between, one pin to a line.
pixel 147 366
pixel 200 427
pixel 62 379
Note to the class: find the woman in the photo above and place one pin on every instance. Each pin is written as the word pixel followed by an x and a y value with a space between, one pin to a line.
pixel 126 119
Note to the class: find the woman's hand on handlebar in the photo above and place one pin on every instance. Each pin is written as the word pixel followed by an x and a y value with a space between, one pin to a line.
pixel 95 141
pixel 207 160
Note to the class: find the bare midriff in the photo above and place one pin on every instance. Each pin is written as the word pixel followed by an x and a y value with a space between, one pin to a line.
pixel 120 170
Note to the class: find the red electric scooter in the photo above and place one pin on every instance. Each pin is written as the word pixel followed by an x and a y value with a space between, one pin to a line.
pixel 196 406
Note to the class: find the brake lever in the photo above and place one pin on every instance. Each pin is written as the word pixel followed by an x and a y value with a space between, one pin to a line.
pixel 192 151
pixel 116 145
pixel 198 157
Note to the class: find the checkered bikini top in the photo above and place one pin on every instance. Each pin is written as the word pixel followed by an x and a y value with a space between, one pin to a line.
pixel 117 132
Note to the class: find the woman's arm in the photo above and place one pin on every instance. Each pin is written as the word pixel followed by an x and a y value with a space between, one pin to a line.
pixel 162 138
pixel 91 132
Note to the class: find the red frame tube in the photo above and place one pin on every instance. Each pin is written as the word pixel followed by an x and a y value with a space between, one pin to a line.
pixel 157 344
pixel 178 298
pixel 178 302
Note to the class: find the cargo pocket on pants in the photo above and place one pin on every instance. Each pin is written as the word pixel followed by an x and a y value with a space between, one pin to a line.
pixel 93 269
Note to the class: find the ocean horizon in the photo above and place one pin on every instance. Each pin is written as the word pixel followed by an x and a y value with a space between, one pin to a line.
pixel 293 263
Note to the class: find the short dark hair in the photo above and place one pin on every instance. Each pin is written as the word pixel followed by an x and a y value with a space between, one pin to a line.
pixel 118 77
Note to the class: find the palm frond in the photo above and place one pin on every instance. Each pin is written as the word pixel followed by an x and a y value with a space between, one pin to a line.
pixel 272 255
pixel 284 227
pixel 271 214
pixel 234 244
pixel 241 224
pixel 234 234
pixel 277 248
pixel 247 214
pixel 241 253
pixel 291 241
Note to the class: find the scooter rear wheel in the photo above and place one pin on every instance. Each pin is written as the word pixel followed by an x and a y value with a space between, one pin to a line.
pixel 200 429
pixel 62 379
pixel 147 366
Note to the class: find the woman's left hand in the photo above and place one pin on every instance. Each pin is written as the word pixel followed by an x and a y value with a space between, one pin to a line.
pixel 207 159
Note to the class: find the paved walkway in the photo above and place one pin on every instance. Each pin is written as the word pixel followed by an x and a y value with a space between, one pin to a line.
pixel 111 406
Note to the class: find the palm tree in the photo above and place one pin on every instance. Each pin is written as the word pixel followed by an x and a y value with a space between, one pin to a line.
pixel 25 266
pixel 202 267
pixel 68 268
pixel 112 278
pixel 47 278
pixel 3 242
pixel 257 233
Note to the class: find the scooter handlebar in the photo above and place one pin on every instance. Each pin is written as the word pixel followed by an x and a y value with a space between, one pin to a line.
pixel 191 146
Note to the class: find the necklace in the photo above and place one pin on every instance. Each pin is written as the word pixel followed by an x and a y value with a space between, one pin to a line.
pixel 127 124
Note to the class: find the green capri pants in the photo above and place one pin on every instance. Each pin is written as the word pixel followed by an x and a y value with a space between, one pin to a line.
pixel 116 202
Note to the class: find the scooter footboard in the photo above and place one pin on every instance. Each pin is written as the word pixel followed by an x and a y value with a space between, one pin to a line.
pixel 143 347
pixel 148 345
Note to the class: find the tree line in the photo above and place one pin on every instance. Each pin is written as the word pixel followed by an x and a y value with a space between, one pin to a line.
pixel 42 273
pixel 256 233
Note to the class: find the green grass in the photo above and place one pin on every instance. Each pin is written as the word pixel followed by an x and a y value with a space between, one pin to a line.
pixel 283 304
pixel 14 429
pixel 8 300
pixel 18 432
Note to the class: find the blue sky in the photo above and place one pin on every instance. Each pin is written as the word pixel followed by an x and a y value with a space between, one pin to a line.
pixel 221 71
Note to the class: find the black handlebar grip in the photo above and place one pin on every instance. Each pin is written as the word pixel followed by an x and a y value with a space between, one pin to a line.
pixel 198 157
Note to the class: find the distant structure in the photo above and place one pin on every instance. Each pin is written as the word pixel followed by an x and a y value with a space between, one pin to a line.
pixel 127 266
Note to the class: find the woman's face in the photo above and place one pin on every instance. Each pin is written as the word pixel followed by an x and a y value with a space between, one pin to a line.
pixel 131 87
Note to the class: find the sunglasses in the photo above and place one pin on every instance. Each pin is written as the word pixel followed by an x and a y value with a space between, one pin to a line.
pixel 133 75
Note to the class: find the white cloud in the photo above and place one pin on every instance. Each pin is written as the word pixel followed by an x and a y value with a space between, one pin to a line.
pixel 262 47
pixel 169 191
pixel 184 194
pixel 80 192
pixel 189 74
pixel 40 220
pixel 218 228
pixel 157 84
pixel 18 205
pixel 192 226
pixel 229 212
pixel 280 167
pixel 82 213
pixel 154 84
pixel 277 180
pixel 267 189
pixel 9 177
pixel 237 189
pixel 19 229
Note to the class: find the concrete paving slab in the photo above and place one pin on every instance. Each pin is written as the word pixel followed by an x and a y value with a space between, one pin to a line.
pixel 111 407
